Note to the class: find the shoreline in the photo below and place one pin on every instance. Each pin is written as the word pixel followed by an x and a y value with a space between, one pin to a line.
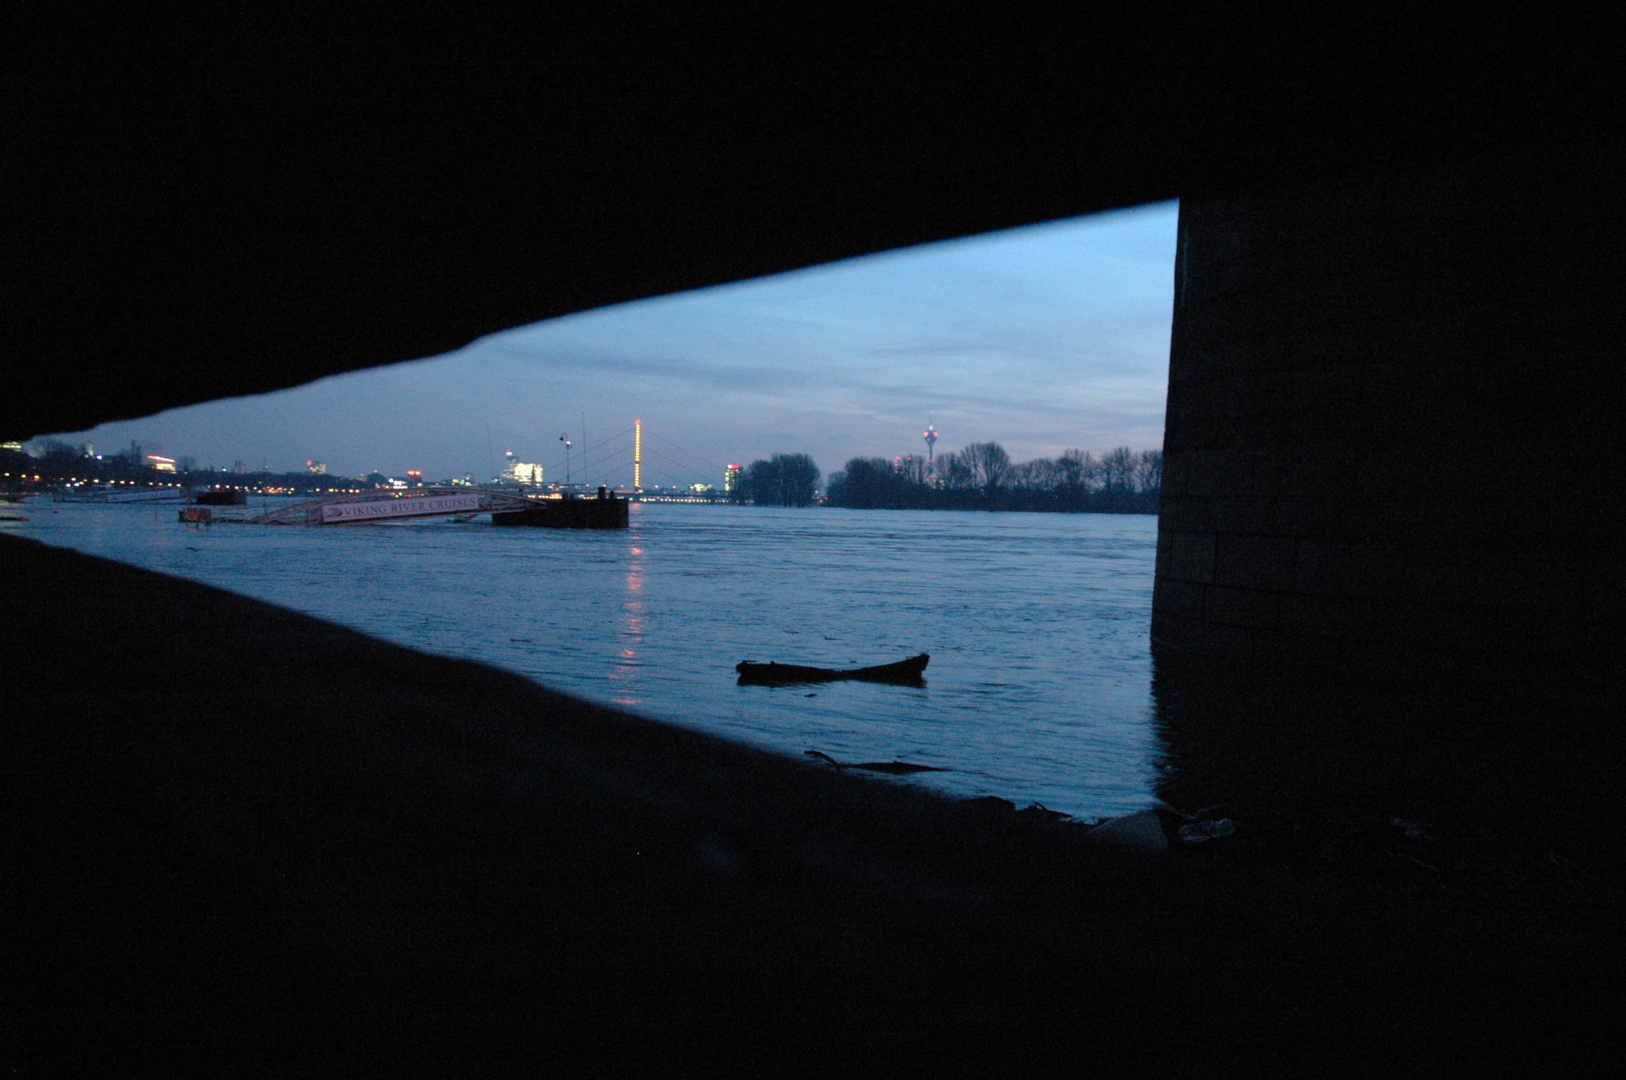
pixel 241 834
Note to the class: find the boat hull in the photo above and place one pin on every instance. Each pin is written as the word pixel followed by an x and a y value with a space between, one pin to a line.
pixel 606 513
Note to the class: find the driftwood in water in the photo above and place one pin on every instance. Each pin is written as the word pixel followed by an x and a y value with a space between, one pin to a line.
pixel 896 768
pixel 903 673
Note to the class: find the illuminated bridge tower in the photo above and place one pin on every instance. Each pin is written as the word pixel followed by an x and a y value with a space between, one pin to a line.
pixel 931 441
pixel 637 455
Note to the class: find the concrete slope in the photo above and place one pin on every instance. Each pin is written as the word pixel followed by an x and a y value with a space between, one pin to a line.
pixel 241 839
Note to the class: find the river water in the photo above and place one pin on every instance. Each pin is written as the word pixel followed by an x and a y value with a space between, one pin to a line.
pixel 1037 624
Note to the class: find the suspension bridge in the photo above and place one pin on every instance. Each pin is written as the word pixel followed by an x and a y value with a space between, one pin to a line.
pixel 634 461
pixel 566 505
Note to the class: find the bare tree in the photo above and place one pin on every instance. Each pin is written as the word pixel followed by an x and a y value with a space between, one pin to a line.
pixel 1149 471
pixel 784 480
pixel 1037 475
pixel 798 479
pixel 911 470
pixel 989 464
pixel 758 483
pixel 1075 471
pixel 954 472
pixel 982 474
pixel 1118 471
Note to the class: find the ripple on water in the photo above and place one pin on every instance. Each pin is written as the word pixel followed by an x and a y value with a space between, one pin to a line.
pixel 1038 689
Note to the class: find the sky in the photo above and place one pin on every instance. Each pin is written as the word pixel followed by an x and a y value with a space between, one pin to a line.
pixel 1042 338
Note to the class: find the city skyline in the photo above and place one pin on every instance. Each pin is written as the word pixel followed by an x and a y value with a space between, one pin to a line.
pixel 1041 338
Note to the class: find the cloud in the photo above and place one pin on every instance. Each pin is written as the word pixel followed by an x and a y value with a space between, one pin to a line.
pixel 1044 337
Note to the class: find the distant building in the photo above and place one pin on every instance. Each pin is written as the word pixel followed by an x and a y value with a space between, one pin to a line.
pixel 161 463
pixel 520 472
pixel 731 479
pixel 316 468
pixel 239 467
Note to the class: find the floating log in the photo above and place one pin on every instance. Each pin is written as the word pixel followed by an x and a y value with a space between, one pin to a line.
pixel 895 768
pixel 902 673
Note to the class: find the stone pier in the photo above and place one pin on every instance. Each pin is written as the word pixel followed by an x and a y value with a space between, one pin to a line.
pixel 1393 442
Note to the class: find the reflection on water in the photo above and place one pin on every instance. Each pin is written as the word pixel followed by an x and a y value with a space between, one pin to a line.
pixel 1037 624
pixel 633 635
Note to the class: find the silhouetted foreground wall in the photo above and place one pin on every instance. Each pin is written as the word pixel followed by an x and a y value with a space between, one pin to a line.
pixel 240 840
pixel 1394 431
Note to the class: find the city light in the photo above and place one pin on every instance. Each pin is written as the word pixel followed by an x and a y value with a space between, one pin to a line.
pixel 310 476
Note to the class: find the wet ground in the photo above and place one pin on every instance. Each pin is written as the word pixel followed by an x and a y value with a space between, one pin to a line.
pixel 1442 786
pixel 238 836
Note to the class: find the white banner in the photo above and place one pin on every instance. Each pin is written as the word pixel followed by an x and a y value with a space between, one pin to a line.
pixel 376 509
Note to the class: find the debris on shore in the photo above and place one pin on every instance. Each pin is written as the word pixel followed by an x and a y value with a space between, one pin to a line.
pixel 894 768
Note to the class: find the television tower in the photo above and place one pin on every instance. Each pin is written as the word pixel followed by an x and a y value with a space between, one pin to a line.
pixel 931 440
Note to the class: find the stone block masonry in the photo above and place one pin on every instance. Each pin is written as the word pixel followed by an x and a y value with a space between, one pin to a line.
pixel 1394 432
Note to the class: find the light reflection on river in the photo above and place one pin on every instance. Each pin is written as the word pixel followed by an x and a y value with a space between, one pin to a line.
pixel 1037 624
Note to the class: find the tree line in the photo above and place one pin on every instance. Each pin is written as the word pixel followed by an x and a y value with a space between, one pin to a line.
pixel 55 461
pixel 982 477
pixel 782 480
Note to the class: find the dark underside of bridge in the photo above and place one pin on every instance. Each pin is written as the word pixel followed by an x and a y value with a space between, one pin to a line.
pixel 1387 583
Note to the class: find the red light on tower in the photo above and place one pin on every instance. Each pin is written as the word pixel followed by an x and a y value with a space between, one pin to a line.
pixel 930 435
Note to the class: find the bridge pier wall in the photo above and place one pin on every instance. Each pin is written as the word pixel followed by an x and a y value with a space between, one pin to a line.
pixel 1394 429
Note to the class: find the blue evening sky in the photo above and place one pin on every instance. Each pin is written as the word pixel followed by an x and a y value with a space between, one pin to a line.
pixel 1041 338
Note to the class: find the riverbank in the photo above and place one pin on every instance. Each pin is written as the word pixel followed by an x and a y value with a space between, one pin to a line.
pixel 242 837
pixel 654 619
pixel 1015 501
